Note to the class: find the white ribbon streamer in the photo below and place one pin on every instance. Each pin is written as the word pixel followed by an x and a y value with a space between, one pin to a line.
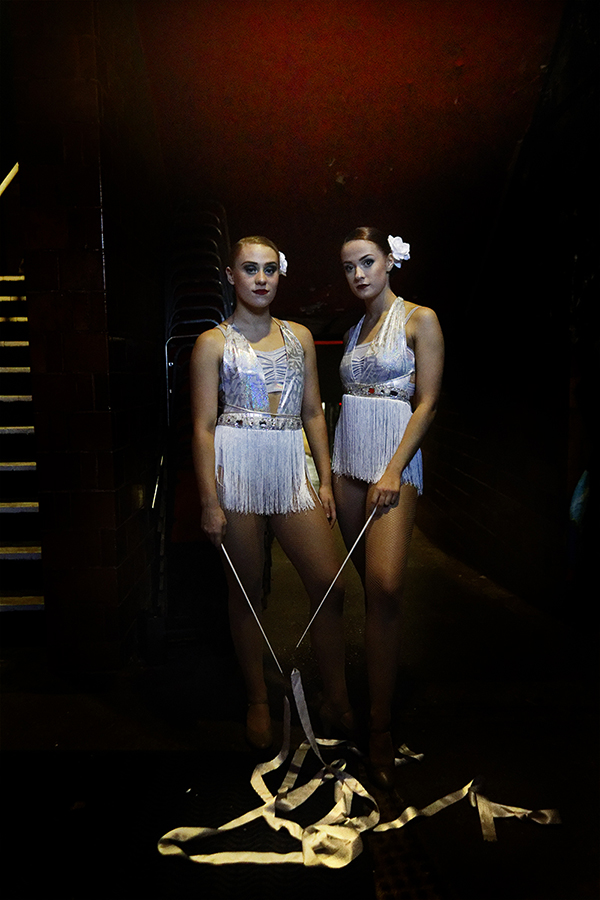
pixel 364 528
pixel 488 811
pixel 228 558
pixel 335 840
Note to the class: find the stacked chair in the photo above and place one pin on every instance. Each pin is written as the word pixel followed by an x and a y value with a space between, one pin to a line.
pixel 197 297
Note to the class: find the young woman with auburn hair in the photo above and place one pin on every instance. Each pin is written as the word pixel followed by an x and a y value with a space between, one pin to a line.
pixel 392 372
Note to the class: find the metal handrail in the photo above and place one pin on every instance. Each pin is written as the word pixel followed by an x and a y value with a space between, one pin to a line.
pixel 9 178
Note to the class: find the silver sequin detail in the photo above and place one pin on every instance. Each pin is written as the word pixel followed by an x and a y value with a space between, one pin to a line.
pixel 259 420
pixel 242 382
pixel 386 358
pixel 379 390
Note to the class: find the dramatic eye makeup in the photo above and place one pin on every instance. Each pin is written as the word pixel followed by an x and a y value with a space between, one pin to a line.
pixel 365 263
pixel 252 268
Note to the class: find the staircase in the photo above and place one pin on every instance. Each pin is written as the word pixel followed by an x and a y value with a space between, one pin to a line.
pixel 20 545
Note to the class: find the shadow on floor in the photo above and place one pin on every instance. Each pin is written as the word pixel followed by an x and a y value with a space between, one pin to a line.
pixel 490 687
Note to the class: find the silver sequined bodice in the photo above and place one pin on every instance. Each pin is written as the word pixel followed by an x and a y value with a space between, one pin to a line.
pixel 388 363
pixel 242 383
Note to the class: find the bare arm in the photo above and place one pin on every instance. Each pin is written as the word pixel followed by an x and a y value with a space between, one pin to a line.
pixel 429 363
pixel 204 385
pixel 313 420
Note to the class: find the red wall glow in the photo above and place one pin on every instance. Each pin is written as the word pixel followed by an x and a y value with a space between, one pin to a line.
pixel 308 118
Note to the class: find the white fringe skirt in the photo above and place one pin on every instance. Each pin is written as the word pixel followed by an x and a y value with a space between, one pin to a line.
pixel 260 465
pixel 367 435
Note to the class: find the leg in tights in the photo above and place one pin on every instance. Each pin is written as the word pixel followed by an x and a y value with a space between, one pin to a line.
pixel 381 561
pixel 387 544
pixel 350 501
pixel 307 540
pixel 244 543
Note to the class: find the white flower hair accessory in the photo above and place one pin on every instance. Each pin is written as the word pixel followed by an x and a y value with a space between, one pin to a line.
pixel 282 264
pixel 399 249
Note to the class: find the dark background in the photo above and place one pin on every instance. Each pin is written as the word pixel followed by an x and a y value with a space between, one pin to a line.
pixel 468 128
pixel 306 119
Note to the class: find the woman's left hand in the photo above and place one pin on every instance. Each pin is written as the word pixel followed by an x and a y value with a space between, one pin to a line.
pixel 385 493
pixel 328 504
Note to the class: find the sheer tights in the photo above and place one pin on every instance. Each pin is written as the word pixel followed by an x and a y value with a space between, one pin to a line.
pixel 306 539
pixel 381 561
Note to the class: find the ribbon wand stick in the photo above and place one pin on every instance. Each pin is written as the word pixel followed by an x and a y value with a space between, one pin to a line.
pixel 227 557
pixel 364 528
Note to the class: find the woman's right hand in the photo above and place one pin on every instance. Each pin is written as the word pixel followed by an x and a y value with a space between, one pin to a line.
pixel 385 493
pixel 213 524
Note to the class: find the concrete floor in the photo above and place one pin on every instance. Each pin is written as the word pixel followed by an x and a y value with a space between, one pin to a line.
pixel 490 687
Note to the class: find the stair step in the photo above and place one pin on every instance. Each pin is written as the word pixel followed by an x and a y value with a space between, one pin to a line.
pixel 15 384
pixel 21 568
pixel 20 525
pixel 21 602
pixel 17 429
pixel 12 309
pixel 20 552
pixel 17 443
pixel 19 506
pixel 18 467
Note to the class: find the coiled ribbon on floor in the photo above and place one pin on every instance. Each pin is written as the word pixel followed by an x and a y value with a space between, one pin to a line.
pixel 335 840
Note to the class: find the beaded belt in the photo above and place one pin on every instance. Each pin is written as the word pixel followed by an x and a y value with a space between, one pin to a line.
pixel 245 418
pixel 378 390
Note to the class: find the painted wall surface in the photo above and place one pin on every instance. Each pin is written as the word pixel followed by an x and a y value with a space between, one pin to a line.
pixel 306 119
pixel 460 126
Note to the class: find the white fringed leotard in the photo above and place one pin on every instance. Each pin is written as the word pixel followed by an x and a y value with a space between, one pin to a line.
pixel 259 456
pixel 376 404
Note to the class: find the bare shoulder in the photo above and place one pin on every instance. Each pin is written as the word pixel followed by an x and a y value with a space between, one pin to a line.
pixel 214 337
pixel 419 312
pixel 423 332
pixel 424 319
pixel 303 334
pixel 209 344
